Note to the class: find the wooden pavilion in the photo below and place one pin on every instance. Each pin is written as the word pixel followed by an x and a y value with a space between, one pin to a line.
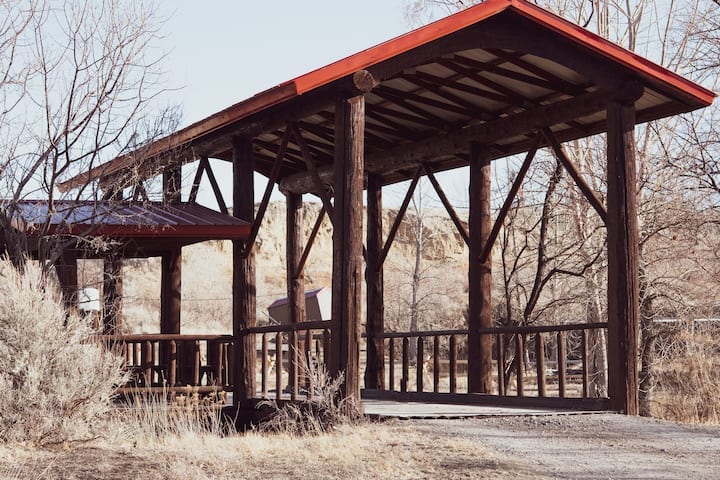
pixel 501 78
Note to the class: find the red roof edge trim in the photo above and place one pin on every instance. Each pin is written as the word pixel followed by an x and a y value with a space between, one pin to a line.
pixel 611 50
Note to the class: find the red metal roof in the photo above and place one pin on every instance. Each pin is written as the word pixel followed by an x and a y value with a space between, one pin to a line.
pixel 130 220
pixel 432 97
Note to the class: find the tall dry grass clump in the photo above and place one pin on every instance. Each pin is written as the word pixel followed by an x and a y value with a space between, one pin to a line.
pixel 55 384
pixel 324 410
pixel 688 380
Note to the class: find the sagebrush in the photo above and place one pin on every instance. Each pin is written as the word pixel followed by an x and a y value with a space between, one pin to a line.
pixel 56 383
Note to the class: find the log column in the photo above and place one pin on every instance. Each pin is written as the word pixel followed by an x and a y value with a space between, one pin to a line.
pixel 295 278
pixel 623 283
pixel 244 287
pixel 375 322
pixel 347 242
pixel 480 274
pixel 67 273
pixel 171 291
pixel 112 294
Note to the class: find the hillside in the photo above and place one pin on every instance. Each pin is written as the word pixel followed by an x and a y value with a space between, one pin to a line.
pixel 207 275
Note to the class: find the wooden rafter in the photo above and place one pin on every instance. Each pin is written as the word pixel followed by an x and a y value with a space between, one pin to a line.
pixel 196 182
pixel 502 214
pixel 492 67
pixel 400 115
pixel 452 82
pixel 415 96
pixel 448 206
pixel 586 190
pixel 470 108
pixel 400 215
pixel 272 179
pixel 403 99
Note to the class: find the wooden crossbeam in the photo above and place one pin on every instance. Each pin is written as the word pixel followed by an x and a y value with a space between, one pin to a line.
pixel 196 182
pixel 400 216
pixel 214 184
pixel 250 243
pixel 587 191
pixel 502 214
pixel 448 206
pixel 310 241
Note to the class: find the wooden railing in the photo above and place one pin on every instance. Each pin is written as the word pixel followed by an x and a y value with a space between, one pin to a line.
pixel 290 356
pixel 441 359
pixel 167 362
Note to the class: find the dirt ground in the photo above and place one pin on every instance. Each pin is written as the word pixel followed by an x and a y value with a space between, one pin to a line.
pixel 548 447
pixel 594 446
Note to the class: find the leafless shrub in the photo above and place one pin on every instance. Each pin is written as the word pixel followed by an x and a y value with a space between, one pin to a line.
pixel 688 382
pixel 55 384
pixel 324 411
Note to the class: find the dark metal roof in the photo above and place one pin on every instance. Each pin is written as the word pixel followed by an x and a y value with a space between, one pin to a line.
pixel 490 62
pixel 144 224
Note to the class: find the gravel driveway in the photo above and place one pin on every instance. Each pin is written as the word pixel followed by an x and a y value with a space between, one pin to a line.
pixel 593 446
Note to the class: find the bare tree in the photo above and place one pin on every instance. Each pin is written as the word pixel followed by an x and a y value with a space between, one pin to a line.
pixel 78 81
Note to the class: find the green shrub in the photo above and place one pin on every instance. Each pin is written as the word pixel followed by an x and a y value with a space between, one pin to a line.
pixel 55 383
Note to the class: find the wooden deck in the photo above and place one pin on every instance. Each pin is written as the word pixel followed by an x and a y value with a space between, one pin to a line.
pixel 421 410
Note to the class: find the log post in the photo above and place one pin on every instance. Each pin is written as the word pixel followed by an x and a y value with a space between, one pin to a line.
pixel 347 242
pixel 295 278
pixel 171 291
pixel 622 234
pixel 244 287
pixel 375 322
pixel 112 294
pixel 480 274
pixel 67 273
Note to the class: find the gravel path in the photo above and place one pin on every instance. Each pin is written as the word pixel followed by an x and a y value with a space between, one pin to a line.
pixel 593 446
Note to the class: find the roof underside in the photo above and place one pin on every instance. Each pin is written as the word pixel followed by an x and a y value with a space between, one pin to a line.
pixel 499 60
pixel 138 228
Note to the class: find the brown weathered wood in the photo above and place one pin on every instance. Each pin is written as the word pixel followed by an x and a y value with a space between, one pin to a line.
pixel 540 364
pixel 375 309
pixel 67 273
pixel 195 187
pixel 278 365
pixel 172 364
pixel 420 364
pixel 265 360
pixel 295 280
pixel 319 186
pixel 448 206
pixel 112 294
pixel 391 364
pixel 453 363
pixel 500 354
pixel 364 82
pixel 517 183
pixel 214 185
pixel 585 366
pixel 520 364
pixel 561 364
pixel 147 363
pixel 436 364
pixel 293 353
pixel 400 215
pixel 347 242
pixel 458 142
pixel 244 284
pixel 196 363
pixel 311 241
pixel 479 274
pixel 405 364
pixel 171 291
pixel 588 192
pixel 622 238
pixel 308 363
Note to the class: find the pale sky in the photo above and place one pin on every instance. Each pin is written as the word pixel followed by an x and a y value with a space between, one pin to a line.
pixel 222 51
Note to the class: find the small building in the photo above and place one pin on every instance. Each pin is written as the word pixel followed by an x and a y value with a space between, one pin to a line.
pixel 318 305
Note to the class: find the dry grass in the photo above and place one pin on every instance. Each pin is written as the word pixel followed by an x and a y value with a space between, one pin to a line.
pixel 688 380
